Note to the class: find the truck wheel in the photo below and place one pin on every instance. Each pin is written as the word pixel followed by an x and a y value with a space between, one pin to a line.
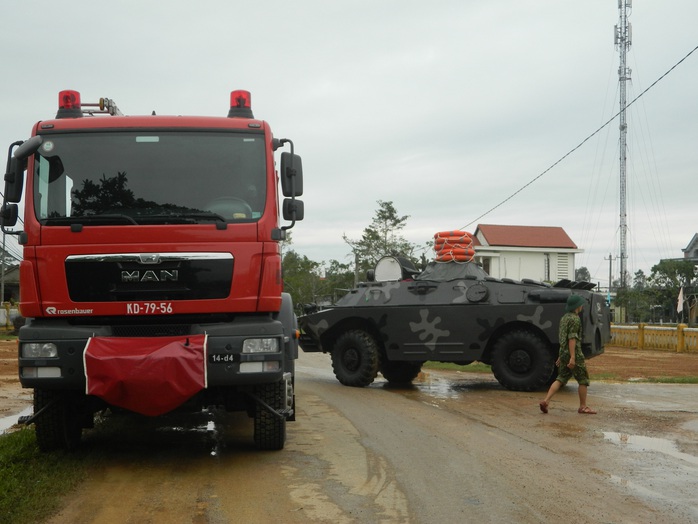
pixel 355 359
pixel 58 427
pixel 400 372
pixel 269 428
pixel 521 361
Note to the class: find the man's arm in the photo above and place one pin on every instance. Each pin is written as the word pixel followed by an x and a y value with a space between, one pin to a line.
pixel 572 344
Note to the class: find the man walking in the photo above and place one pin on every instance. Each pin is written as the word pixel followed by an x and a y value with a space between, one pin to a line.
pixel 571 359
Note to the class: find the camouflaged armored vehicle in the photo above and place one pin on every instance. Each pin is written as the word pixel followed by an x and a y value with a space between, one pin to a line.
pixel 450 312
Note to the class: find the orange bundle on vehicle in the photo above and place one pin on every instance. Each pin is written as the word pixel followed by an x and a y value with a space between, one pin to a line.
pixel 453 246
pixel 453 236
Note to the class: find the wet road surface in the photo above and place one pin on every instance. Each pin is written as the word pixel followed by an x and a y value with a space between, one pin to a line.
pixel 455 447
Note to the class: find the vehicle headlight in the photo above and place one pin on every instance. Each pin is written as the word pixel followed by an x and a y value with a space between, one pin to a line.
pixel 39 350
pixel 260 345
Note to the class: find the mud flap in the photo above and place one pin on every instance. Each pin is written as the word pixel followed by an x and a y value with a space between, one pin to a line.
pixel 150 376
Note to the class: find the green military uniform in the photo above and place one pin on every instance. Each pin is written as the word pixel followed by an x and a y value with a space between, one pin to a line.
pixel 571 327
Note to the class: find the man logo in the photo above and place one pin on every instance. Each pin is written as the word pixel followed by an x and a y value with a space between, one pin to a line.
pixel 163 275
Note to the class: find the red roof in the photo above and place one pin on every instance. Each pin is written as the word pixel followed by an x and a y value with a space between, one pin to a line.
pixel 525 236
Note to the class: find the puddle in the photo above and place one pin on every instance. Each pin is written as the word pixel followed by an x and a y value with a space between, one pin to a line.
pixel 436 388
pixel 451 387
pixel 7 422
pixel 640 443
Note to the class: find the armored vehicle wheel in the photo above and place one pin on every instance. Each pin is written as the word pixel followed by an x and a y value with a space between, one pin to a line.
pixel 521 361
pixel 355 358
pixel 270 428
pixel 58 425
pixel 400 372
pixel 553 375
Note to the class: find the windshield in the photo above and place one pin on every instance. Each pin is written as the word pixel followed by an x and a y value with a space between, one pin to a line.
pixel 158 177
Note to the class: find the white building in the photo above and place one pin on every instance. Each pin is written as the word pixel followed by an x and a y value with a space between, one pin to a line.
pixel 537 252
pixel 690 252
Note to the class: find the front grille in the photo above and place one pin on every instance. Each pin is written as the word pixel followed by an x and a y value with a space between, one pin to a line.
pixel 149 276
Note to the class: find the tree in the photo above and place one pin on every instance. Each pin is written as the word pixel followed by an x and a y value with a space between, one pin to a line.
pixel 672 274
pixel 667 277
pixel 582 275
pixel 381 238
pixel 653 298
pixel 339 278
pixel 301 277
pixel 639 280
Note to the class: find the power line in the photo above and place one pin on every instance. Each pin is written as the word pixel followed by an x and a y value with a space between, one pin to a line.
pixel 582 142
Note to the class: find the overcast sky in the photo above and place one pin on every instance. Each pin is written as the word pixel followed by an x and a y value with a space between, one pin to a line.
pixel 445 108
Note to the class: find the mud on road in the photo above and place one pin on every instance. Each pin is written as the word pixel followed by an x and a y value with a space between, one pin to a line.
pixel 454 447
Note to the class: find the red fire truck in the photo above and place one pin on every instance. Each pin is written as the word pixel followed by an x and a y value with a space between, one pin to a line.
pixel 151 273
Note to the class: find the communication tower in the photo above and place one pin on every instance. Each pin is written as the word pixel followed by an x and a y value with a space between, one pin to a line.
pixel 623 40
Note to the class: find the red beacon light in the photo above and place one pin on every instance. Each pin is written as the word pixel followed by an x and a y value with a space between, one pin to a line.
pixel 69 105
pixel 240 104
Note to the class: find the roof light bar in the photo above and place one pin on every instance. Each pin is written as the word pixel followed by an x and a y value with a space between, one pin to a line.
pixel 240 104
pixel 69 105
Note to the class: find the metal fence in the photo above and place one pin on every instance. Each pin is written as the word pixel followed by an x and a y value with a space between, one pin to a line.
pixel 680 338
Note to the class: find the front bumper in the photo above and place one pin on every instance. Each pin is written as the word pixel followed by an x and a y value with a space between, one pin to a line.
pixel 225 362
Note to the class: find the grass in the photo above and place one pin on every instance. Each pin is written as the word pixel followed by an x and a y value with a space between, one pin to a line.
pixel 475 367
pixel 32 483
pixel 668 380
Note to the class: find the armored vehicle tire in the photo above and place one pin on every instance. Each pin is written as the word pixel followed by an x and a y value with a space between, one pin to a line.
pixel 522 361
pixel 553 375
pixel 270 428
pixel 58 425
pixel 400 372
pixel 355 358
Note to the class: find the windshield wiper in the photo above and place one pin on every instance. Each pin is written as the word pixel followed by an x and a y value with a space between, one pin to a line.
pixel 106 219
pixel 119 218
pixel 203 215
pixel 185 217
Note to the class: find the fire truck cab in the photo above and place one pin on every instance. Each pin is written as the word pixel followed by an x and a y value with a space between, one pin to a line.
pixel 151 274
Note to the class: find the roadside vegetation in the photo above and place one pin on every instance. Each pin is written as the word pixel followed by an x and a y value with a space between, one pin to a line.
pixel 32 484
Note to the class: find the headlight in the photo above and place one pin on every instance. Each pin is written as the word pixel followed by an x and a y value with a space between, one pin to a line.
pixel 260 345
pixel 39 350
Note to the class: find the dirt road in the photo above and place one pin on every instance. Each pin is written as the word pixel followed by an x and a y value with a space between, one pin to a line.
pixel 455 447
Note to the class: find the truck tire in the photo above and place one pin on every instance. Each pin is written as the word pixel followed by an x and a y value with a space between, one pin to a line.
pixel 522 361
pixel 355 359
pixel 400 372
pixel 58 426
pixel 270 428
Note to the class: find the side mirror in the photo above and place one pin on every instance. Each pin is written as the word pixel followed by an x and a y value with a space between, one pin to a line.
pixel 291 175
pixel 16 164
pixel 14 179
pixel 293 209
pixel 8 215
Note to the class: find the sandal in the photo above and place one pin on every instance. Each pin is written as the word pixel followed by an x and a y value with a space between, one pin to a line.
pixel 543 406
pixel 586 410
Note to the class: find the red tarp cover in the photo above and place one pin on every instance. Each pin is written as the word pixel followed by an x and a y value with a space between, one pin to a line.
pixel 150 376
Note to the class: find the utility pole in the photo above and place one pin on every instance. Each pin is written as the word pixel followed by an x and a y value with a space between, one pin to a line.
pixel 2 269
pixel 623 40
pixel 610 273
